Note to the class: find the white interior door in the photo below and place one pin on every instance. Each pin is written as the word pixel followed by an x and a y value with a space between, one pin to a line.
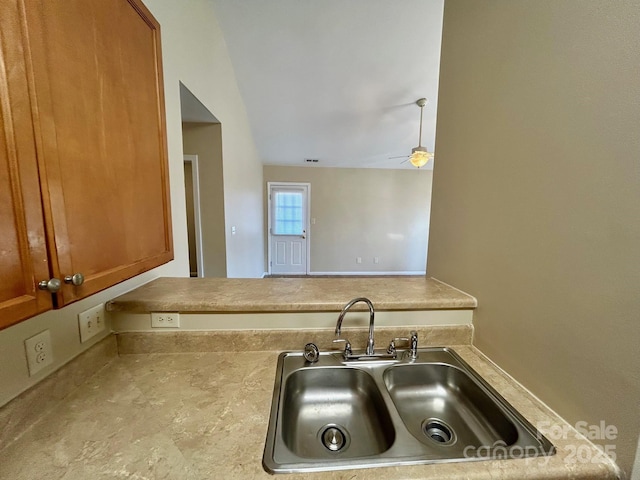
pixel 288 228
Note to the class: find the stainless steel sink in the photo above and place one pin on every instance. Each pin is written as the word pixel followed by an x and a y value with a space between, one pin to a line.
pixel 338 414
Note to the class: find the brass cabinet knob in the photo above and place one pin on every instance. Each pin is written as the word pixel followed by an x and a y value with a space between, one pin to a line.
pixel 52 285
pixel 76 279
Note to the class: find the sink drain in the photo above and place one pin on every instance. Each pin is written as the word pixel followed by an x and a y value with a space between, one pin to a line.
pixel 334 437
pixel 438 431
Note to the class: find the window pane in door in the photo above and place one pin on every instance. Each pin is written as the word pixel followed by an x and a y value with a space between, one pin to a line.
pixel 288 218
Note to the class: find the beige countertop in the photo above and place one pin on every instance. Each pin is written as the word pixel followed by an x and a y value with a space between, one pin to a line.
pixel 289 295
pixel 204 416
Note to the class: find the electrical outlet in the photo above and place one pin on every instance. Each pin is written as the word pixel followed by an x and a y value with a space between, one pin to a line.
pixel 165 320
pixel 358 259
pixel 376 259
pixel 39 351
pixel 91 322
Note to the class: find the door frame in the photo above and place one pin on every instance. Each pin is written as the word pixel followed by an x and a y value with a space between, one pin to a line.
pixel 197 220
pixel 270 185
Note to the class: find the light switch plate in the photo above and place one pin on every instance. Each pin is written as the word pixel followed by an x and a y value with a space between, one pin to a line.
pixel 91 322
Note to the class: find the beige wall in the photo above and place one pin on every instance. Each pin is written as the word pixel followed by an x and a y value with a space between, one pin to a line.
pixel 208 73
pixel 536 196
pixel 205 140
pixel 209 76
pixel 364 213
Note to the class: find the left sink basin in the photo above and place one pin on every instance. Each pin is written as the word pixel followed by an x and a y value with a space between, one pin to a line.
pixel 334 412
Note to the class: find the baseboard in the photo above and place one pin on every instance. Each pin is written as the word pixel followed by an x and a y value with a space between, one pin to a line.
pixel 422 272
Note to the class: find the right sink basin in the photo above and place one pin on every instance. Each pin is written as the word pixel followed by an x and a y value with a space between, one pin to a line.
pixel 441 405
pixel 337 414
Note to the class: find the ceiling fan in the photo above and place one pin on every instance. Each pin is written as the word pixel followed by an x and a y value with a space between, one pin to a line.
pixel 419 155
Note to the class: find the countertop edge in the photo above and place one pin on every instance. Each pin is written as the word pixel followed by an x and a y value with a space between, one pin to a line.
pixel 291 295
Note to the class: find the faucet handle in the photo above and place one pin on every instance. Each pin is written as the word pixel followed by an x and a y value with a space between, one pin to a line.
pixel 347 345
pixel 311 353
pixel 412 343
pixel 413 353
pixel 391 350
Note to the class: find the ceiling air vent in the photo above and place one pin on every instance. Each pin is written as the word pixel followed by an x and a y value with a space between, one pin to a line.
pixel 311 160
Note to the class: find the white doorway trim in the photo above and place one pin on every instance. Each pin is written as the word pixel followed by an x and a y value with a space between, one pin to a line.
pixel 193 159
pixel 270 185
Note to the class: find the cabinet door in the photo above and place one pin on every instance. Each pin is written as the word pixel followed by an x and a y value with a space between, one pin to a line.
pixel 97 78
pixel 23 255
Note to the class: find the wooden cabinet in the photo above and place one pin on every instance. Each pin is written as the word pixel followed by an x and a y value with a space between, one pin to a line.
pixel 83 149
pixel 23 253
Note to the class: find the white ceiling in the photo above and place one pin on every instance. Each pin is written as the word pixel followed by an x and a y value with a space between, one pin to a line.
pixel 335 80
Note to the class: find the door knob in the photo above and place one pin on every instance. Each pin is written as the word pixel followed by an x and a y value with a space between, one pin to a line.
pixel 76 279
pixel 52 285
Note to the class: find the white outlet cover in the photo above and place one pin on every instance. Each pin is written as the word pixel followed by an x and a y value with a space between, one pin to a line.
pixel 165 320
pixel 91 322
pixel 39 351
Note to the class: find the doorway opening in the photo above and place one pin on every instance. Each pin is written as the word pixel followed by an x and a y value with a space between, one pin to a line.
pixel 194 224
pixel 204 187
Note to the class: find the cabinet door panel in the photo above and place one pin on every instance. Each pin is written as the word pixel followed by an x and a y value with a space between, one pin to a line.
pixel 98 81
pixel 23 255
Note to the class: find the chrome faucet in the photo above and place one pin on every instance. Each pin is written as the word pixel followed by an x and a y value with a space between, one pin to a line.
pixel 369 350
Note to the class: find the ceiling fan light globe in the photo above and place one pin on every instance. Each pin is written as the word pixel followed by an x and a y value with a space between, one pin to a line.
pixel 419 157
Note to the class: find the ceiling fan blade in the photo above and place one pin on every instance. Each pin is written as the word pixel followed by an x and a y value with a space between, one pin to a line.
pixel 404 161
pixel 401 156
